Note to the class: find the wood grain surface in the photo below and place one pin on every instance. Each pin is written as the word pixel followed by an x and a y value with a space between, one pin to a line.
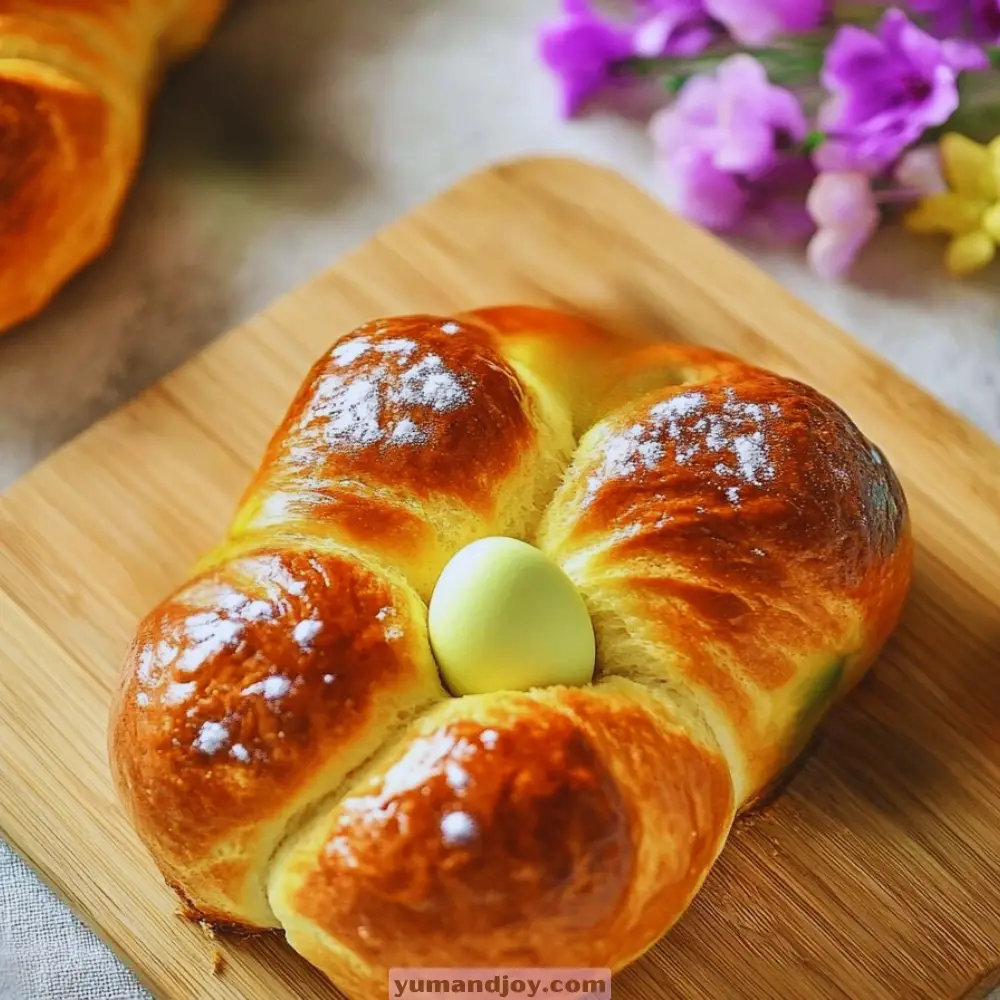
pixel 874 876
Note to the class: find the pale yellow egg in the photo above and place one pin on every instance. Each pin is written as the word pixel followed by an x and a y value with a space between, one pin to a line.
pixel 505 617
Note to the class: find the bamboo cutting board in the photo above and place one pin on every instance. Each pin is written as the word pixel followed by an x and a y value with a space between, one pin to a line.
pixel 875 876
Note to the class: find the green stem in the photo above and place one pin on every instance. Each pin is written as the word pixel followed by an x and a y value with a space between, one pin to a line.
pixel 862 13
pixel 783 66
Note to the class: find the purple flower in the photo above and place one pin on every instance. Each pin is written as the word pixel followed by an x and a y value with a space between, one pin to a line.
pixel 846 215
pixel 888 88
pixel 737 118
pixel 757 22
pixel 580 50
pixel 979 19
pixel 721 142
pixel 673 27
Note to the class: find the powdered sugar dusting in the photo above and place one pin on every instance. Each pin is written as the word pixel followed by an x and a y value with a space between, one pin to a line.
pixel 430 383
pixel 211 738
pixel 457 776
pixel 426 758
pixel 255 611
pixel 352 409
pixel 165 653
pixel 232 600
pixel 239 752
pixel 276 572
pixel 145 665
pixel 680 406
pixel 396 345
pixel 736 432
pixel 641 446
pixel 306 631
pixel 629 531
pixel 177 694
pixel 458 829
pixel 272 688
pixel 361 408
pixel 152 660
pixel 450 328
pixel 211 635
pixel 407 432
pixel 392 630
pixel 349 351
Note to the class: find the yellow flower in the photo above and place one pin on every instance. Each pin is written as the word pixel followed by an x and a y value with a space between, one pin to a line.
pixel 970 211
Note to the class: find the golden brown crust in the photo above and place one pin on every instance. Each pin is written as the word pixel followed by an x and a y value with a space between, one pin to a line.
pixel 61 160
pixel 411 437
pixel 400 403
pixel 250 693
pixel 744 552
pixel 565 827
pixel 592 370
pixel 747 533
pixel 74 82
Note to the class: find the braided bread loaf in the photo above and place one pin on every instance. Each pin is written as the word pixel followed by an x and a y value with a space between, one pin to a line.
pixel 76 77
pixel 281 738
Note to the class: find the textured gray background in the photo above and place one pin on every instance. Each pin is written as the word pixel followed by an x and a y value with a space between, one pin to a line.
pixel 306 126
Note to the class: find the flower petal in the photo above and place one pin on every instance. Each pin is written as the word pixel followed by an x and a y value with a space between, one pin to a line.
pixel 670 31
pixel 698 99
pixel 991 222
pixel 671 130
pixel 853 52
pixel 968 167
pixel 831 252
pixel 994 151
pixel 843 201
pixel 942 101
pixel 579 51
pixel 968 253
pixel 945 213
pixel 744 146
pixel 963 55
pixel 700 192
pixel 672 27
pixel 897 30
pixel 757 22
pixel 919 171
pixel 742 72
pixel 784 112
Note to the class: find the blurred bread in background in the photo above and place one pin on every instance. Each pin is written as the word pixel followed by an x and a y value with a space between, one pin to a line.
pixel 76 79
